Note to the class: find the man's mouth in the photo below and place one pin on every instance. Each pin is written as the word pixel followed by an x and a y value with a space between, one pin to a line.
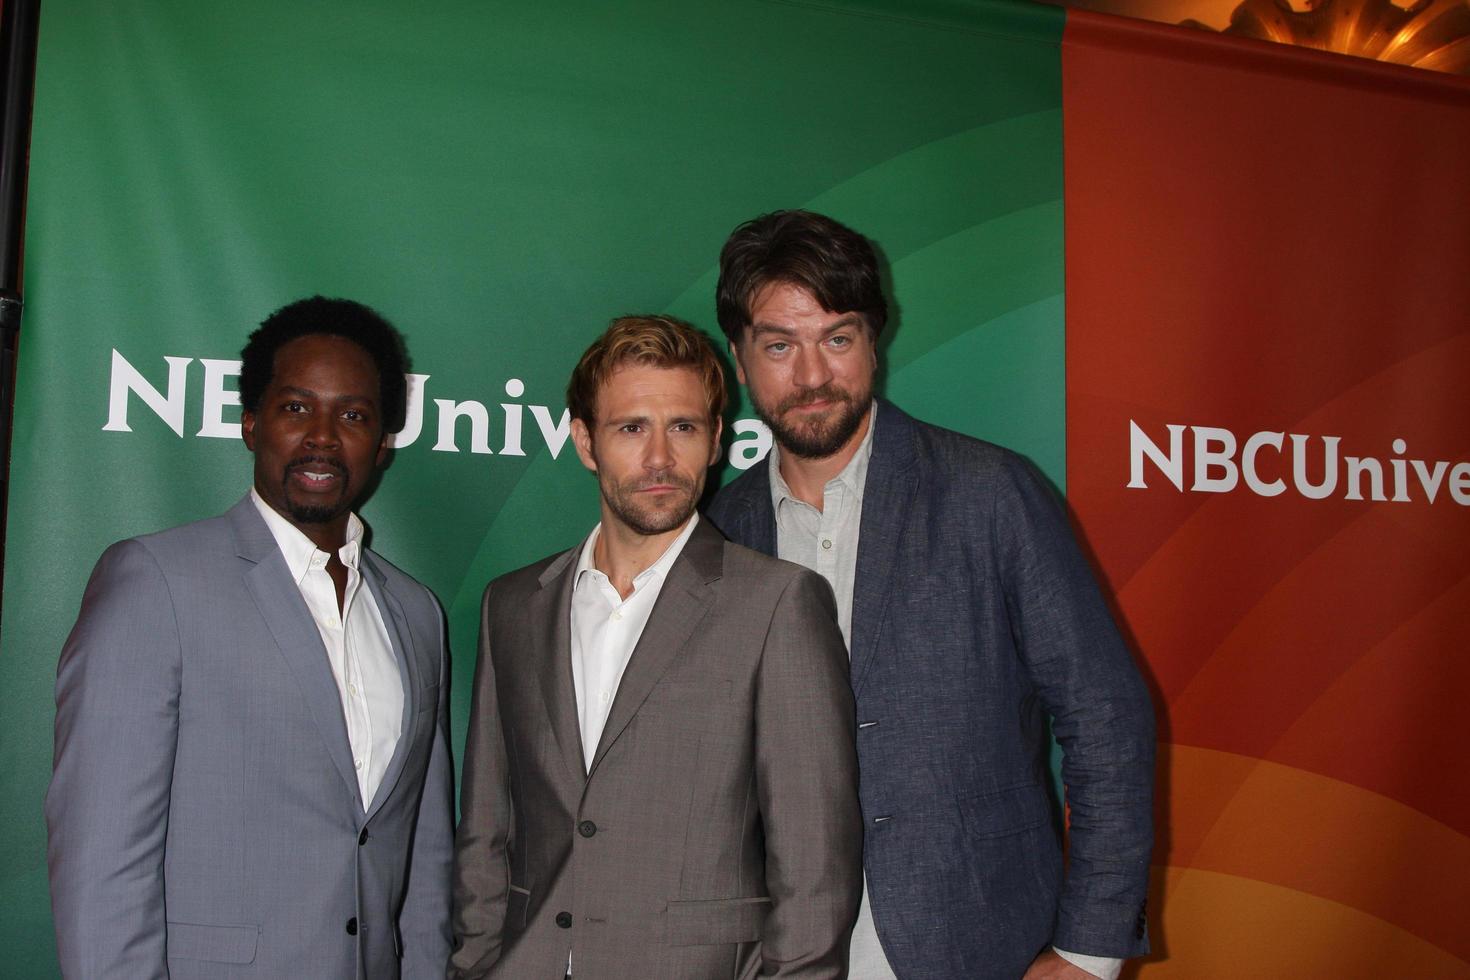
pixel 314 474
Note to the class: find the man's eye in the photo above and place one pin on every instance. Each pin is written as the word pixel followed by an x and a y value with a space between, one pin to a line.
pixel 630 427
pixel 779 347
pixel 294 406
pixel 841 340
pixel 353 415
pixel 684 427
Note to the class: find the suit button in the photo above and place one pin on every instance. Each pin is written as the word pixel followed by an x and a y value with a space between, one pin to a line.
pixel 362 837
pixel 586 828
pixel 352 926
pixel 564 919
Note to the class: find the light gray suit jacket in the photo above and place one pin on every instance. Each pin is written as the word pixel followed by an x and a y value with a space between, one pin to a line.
pixel 717 834
pixel 204 815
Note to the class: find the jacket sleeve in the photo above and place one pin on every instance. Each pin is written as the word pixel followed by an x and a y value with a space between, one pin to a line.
pixel 424 920
pixel 117 703
pixel 481 859
pixel 1101 712
pixel 806 782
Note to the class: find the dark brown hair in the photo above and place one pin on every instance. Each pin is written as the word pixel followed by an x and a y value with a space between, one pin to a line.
pixel 811 251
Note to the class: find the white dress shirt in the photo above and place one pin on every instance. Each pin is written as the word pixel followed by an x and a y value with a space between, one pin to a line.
pixel 826 541
pixel 605 629
pixel 358 648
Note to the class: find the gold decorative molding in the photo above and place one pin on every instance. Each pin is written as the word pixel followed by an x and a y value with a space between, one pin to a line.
pixel 1432 34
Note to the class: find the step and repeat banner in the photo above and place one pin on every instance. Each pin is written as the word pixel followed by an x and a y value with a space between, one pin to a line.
pixel 1253 394
pixel 1268 444
pixel 499 180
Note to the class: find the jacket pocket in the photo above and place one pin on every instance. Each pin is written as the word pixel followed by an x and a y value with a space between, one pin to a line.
pixel 1006 812
pixel 731 920
pixel 216 944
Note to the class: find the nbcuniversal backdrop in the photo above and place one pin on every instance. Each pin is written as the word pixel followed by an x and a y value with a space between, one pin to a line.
pixel 501 179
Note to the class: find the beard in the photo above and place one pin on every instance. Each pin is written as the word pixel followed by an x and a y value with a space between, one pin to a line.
pixel 816 437
pixel 315 511
pixel 644 516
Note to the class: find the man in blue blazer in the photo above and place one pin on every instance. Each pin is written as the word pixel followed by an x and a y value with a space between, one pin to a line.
pixel 251 771
pixel 971 618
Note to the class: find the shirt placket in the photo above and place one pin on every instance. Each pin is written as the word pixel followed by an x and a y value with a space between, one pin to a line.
pixel 352 675
pixel 829 523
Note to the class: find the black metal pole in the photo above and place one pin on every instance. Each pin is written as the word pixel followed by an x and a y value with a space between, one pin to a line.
pixel 19 20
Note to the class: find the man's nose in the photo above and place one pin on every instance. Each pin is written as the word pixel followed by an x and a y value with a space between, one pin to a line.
pixel 322 432
pixel 812 370
pixel 658 456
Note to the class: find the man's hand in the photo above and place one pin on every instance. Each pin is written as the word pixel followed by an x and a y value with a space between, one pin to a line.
pixel 1050 966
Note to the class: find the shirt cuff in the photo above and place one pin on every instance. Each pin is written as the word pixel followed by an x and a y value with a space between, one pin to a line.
pixel 1102 967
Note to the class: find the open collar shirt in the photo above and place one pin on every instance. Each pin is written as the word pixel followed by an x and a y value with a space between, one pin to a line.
pixel 359 651
pixel 826 540
pixel 605 630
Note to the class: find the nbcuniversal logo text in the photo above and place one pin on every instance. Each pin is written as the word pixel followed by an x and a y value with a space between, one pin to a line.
pixel 469 420
pixel 1216 460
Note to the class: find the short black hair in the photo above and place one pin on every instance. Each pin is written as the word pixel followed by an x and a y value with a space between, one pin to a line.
pixel 336 318
pixel 811 251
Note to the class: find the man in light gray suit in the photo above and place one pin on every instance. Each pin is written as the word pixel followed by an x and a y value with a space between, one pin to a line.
pixel 660 779
pixel 251 771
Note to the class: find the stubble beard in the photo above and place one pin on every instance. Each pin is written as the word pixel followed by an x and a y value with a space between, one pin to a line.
pixel 622 500
pixel 817 437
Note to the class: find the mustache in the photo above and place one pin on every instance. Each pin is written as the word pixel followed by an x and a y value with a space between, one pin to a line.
pixel 317 463
pixel 667 478
pixel 828 392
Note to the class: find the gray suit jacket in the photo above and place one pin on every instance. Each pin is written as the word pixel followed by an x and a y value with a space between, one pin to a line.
pixel 974 620
pixel 204 814
pixel 717 834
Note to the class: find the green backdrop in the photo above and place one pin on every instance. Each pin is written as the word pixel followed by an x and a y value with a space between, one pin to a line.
pixel 500 180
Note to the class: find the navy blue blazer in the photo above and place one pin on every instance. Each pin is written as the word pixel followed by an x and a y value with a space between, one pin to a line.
pixel 975 618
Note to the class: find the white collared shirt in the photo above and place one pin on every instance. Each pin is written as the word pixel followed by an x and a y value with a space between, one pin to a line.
pixel 826 541
pixel 605 629
pixel 359 651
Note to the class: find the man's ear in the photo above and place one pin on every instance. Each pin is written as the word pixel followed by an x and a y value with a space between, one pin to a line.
pixel 382 449
pixel 247 429
pixel 739 368
pixel 582 440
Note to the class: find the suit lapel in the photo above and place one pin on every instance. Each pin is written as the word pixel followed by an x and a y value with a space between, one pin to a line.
pixel 682 602
pixel 269 583
pixel 888 495
pixel 756 518
pixel 401 640
pixel 549 614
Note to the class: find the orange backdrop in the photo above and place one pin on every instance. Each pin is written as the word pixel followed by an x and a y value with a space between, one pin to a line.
pixel 1268 239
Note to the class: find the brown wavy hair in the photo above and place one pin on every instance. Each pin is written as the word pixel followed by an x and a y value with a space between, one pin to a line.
pixel 649 340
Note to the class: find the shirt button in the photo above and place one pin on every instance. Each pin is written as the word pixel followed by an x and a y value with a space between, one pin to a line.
pixel 605 697
pixel 586 828
pixel 564 920
pixel 826 544
pixel 617 615
pixel 357 763
pixel 352 689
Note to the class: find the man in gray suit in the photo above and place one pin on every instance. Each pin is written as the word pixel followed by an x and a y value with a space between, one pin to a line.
pixel 972 619
pixel 660 779
pixel 251 772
